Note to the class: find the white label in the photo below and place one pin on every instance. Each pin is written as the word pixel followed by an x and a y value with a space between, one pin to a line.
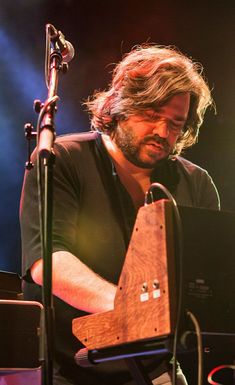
pixel 156 293
pixel 144 297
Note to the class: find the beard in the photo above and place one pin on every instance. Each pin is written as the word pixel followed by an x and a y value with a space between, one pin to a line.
pixel 137 152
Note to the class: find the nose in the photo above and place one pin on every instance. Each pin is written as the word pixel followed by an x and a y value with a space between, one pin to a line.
pixel 161 128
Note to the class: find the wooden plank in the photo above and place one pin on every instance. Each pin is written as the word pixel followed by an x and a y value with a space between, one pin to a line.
pixel 144 305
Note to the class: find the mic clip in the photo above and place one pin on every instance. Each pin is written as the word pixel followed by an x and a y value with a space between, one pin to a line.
pixel 64 47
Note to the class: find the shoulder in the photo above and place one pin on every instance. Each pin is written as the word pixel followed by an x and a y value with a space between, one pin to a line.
pixel 200 183
pixel 190 167
pixel 76 144
pixel 81 137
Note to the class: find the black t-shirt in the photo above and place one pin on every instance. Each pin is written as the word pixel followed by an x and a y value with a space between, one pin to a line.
pixel 93 217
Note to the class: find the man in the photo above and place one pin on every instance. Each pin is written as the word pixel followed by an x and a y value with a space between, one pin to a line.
pixel 151 112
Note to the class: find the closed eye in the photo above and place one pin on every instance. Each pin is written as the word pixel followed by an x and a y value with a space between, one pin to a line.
pixel 177 125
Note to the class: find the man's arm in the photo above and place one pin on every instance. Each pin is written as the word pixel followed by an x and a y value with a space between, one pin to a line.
pixel 76 284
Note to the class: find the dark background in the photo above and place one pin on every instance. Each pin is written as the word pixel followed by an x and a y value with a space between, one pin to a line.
pixel 101 32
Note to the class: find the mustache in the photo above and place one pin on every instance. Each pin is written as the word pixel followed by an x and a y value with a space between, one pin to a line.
pixel 158 140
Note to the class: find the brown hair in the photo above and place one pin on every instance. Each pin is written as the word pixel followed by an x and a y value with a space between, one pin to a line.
pixel 146 78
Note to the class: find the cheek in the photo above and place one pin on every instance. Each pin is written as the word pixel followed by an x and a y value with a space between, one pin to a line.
pixel 172 139
pixel 137 130
pixel 141 131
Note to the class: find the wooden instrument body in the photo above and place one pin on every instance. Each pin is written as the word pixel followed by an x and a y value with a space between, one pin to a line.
pixel 145 302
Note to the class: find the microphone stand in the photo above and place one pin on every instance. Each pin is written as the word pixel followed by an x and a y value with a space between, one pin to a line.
pixel 45 162
pixel 46 158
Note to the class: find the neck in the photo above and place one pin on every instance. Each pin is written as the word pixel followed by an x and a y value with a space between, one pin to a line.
pixel 120 161
pixel 135 179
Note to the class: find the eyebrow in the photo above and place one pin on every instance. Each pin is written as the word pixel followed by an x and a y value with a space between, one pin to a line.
pixel 178 118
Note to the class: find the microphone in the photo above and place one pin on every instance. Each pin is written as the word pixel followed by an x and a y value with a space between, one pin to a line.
pixel 65 47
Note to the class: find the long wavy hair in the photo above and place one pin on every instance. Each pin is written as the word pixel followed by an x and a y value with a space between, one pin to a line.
pixel 146 78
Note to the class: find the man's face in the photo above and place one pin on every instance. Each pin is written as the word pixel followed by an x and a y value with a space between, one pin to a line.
pixel 150 136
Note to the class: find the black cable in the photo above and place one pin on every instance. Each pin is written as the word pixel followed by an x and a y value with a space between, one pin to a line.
pixel 217 369
pixel 199 346
pixel 179 238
